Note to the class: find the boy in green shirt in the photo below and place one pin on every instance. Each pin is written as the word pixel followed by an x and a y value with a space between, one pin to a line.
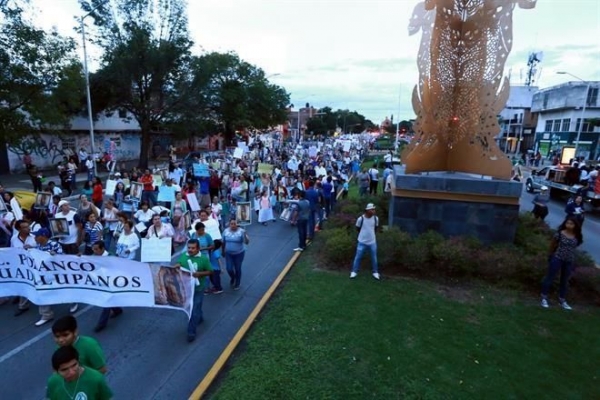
pixel 199 266
pixel 90 353
pixel 74 381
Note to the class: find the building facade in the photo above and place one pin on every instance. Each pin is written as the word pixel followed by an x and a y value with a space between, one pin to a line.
pixel 517 122
pixel 560 110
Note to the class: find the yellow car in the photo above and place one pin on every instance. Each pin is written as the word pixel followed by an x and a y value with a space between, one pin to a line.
pixel 25 198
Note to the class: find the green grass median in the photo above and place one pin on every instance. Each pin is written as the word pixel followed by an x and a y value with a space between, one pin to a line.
pixel 324 336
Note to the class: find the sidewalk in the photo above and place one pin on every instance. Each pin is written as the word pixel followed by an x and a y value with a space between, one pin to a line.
pixel 22 181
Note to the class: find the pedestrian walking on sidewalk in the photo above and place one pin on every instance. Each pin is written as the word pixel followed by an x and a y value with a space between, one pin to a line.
pixel 235 240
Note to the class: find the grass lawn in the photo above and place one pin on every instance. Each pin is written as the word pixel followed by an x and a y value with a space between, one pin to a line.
pixel 324 336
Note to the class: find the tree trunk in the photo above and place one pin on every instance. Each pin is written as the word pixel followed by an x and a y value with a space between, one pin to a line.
pixel 145 142
pixel 229 134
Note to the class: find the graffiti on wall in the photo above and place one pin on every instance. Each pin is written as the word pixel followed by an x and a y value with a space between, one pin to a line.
pixel 48 150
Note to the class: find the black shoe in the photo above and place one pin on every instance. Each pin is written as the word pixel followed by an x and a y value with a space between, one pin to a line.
pixel 231 282
pixel 21 311
pixel 99 328
pixel 116 313
pixel 191 338
pixel 15 300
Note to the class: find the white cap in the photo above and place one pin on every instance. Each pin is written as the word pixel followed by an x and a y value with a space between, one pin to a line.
pixel 62 203
pixel 370 206
pixel 544 188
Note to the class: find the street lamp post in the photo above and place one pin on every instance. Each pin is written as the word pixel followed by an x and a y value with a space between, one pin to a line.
pixel 87 85
pixel 582 119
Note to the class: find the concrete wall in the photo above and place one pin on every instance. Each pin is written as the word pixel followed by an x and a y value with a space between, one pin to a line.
pixel 47 150
pixel 428 202
pixel 567 95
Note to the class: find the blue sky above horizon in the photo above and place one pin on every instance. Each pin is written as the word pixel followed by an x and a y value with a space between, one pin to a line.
pixel 357 54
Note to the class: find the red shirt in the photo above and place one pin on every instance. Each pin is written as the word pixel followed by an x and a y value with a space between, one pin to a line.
pixel 148 182
pixel 97 193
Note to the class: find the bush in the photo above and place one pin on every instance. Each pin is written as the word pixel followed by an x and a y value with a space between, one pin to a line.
pixel 519 265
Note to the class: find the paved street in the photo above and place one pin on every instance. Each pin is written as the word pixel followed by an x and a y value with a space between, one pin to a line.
pixel 147 352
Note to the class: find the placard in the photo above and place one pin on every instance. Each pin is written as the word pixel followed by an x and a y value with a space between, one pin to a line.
pixel 201 170
pixel 166 194
pixel 126 183
pixel 111 185
pixel 158 179
pixel 141 227
pixel 156 250
pixel 264 168
pixel 243 213
pixel 59 227
pixel 193 201
pixel 312 151
pixel 346 147
pixel 42 200
pixel 136 190
pixel 238 153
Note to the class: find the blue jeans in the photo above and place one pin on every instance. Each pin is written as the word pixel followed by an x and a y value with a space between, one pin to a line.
pixel 360 252
pixel 302 225
pixel 105 315
pixel 554 266
pixel 108 236
pixel 149 196
pixel 197 317
pixel 215 279
pixel 234 267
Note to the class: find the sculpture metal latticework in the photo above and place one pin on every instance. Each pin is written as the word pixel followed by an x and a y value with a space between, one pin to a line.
pixel 461 89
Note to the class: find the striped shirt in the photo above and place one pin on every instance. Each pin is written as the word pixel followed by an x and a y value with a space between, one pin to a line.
pixel 50 247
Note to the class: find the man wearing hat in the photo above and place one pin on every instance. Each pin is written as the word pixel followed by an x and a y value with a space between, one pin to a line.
pixel 367 226
pixel 44 243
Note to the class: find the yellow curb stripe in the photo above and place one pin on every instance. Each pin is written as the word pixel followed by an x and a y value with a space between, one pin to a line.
pixel 218 365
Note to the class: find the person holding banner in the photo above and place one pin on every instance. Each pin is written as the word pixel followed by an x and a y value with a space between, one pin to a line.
pixel 99 249
pixel 199 267
pixel 128 243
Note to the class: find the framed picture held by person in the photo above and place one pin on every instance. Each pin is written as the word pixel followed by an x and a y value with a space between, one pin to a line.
pixel 59 227
pixel 243 214
pixel 42 200
pixel 136 191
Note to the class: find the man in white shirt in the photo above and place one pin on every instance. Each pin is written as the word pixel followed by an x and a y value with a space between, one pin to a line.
pixel 22 240
pixel 374 179
pixel 367 226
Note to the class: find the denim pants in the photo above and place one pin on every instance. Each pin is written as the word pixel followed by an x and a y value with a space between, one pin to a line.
pixel 303 225
pixel 108 236
pixel 215 279
pixel 234 267
pixel 360 252
pixel 105 315
pixel 554 266
pixel 149 196
pixel 197 316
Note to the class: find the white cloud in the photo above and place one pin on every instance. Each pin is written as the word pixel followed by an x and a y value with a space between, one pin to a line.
pixel 357 53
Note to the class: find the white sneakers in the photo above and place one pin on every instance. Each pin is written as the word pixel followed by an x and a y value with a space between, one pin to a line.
pixel 375 275
pixel 43 321
pixel 544 303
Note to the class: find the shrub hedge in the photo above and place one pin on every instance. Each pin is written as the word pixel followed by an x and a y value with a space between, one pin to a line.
pixel 521 264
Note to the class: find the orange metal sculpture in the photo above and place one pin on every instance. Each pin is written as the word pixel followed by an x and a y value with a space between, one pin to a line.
pixel 461 89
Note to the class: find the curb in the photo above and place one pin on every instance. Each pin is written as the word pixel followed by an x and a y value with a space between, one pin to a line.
pixel 209 378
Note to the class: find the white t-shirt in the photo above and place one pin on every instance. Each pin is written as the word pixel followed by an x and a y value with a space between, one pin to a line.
pixel 367 229
pixel 374 174
pixel 129 242
pixel 142 216
pixel 17 243
pixel 73 231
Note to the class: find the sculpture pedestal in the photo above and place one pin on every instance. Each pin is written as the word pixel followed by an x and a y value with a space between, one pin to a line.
pixel 455 204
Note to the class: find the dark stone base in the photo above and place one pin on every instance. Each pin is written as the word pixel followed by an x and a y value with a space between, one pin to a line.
pixel 455 204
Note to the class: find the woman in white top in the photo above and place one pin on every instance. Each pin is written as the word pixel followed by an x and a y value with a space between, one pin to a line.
pixel 144 215
pixel 128 243
pixel 159 229
pixel 109 221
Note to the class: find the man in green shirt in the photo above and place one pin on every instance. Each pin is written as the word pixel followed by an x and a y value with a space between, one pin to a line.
pixel 74 381
pixel 90 353
pixel 199 266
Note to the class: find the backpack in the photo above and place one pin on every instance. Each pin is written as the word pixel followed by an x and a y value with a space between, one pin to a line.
pixel 362 218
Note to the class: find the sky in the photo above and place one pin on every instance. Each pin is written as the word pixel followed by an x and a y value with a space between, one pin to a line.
pixel 357 54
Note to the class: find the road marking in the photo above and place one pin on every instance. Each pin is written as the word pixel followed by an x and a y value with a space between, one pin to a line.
pixel 218 365
pixel 36 339
pixel 47 332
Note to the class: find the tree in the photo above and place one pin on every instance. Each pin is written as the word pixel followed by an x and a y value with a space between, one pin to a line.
pixel 316 126
pixel 236 94
pixel 145 65
pixel 40 79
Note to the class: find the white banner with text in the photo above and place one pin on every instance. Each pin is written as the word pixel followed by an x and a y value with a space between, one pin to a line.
pixel 109 281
